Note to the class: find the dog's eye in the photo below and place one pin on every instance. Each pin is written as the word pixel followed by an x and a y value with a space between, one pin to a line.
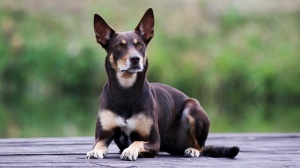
pixel 140 46
pixel 119 46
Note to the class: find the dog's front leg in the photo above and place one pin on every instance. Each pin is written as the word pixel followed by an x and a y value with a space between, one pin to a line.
pixel 142 148
pixel 148 147
pixel 102 140
pixel 99 151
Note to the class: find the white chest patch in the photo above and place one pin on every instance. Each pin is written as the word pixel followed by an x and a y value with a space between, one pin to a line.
pixel 139 123
pixel 126 80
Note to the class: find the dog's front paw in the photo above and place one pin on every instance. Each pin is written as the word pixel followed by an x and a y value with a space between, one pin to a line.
pixel 129 154
pixel 191 152
pixel 96 154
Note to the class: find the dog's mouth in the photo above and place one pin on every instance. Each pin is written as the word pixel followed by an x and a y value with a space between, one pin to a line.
pixel 132 69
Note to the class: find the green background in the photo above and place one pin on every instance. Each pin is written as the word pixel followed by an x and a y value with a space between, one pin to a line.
pixel 239 59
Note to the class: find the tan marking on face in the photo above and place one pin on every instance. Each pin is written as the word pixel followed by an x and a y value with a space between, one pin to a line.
pixel 111 60
pixel 135 41
pixel 139 123
pixel 191 121
pixel 125 79
pixel 123 42
pixel 133 151
pixel 122 63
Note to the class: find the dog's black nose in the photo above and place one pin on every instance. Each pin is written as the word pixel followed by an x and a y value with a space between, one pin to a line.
pixel 134 60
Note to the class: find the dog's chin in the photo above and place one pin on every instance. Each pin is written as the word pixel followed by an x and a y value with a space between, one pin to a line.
pixel 133 70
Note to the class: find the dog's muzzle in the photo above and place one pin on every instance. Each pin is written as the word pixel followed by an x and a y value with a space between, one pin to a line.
pixel 134 64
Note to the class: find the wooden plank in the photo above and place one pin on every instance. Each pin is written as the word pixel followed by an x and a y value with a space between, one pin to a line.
pixel 257 150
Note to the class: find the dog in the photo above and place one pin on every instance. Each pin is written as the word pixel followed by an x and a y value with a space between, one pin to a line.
pixel 144 118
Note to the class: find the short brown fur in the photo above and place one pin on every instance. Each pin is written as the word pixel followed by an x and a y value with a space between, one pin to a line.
pixel 144 118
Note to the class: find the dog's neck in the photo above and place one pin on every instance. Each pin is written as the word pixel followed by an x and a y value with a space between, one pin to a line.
pixel 125 88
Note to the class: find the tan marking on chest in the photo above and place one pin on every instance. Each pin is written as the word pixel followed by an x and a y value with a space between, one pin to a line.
pixel 110 120
pixel 139 123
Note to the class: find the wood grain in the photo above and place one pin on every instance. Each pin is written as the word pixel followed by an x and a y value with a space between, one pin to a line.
pixel 257 150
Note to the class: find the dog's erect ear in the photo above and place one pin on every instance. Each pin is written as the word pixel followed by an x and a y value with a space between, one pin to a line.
pixel 103 31
pixel 146 25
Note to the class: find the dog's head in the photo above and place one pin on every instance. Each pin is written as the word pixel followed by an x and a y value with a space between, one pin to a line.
pixel 126 51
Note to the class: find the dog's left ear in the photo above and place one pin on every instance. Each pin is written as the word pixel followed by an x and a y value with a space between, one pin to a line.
pixel 146 25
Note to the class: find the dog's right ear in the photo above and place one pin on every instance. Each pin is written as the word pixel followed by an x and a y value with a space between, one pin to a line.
pixel 103 31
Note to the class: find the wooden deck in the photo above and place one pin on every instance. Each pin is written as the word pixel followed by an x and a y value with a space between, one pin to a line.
pixel 257 150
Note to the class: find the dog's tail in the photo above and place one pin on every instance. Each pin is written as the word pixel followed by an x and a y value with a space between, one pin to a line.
pixel 216 151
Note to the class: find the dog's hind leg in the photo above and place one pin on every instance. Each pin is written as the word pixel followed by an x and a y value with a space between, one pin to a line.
pixel 198 123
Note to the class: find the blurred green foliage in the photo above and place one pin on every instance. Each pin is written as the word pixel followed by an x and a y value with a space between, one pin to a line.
pixel 243 69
